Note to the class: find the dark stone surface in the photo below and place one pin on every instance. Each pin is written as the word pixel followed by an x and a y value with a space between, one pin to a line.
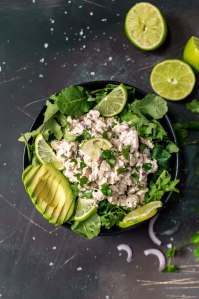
pixel 86 41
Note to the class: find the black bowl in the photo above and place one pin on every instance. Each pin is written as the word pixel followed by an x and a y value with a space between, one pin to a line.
pixel 165 122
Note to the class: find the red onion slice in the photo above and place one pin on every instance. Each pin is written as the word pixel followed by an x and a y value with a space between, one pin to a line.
pixel 151 231
pixel 160 256
pixel 128 250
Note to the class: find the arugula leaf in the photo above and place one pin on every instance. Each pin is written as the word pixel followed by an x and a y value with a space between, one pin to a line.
pixel 110 214
pixel 161 155
pixel 51 110
pixel 88 228
pixel 73 101
pixel 162 185
pixel 193 106
pixel 172 147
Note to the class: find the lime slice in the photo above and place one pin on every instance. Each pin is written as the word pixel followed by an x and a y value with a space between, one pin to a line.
pixel 191 53
pixel 85 208
pixel 172 79
pixel 140 214
pixel 94 146
pixel 145 26
pixel 45 153
pixel 114 102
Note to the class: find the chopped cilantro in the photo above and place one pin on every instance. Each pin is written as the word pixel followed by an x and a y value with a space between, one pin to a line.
pixel 75 189
pixel 105 134
pixel 147 166
pixel 126 151
pixel 74 160
pixel 82 164
pixel 171 268
pixel 135 176
pixel 106 190
pixel 113 124
pixel 86 194
pixel 82 179
pixel 121 170
pixel 109 156
pixel 142 147
pixel 193 106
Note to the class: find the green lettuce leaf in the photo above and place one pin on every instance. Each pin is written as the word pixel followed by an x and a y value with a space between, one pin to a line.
pixel 161 155
pixel 89 228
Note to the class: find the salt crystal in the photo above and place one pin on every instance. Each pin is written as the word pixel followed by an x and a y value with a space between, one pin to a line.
pixel 46 45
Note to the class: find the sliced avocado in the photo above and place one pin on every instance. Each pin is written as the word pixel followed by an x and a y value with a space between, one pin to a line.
pixel 29 174
pixel 50 191
pixel 66 212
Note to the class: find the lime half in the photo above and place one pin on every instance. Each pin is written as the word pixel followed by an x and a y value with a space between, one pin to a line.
pixel 140 214
pixel 94 146
pixel 172 79
pixel 45 153
pixel 145 26
pixel 191 53
pixel 114 102
pixel 85 208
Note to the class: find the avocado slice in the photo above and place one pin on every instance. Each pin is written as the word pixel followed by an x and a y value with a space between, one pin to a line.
pixel 50 192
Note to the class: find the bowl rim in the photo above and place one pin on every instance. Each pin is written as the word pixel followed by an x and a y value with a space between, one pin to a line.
pixel 167 196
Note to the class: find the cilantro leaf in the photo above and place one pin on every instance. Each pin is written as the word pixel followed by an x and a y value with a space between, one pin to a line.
pixel 106 190
pixel 126 151
pixel 172 147
pixel 110 214
pixel 195 238
pixel 171 268
pixel 121 170
pixel 109 156
pixel 51 110
pixel 161 155
pixel 196 253
pixel 193 106
pixel 73 101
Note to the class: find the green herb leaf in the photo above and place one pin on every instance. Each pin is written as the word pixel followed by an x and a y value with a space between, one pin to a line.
pixel 196 253
pixel 82 164
pixel 195 238
pixel 147 166
pixel 193 106
pixel 172 147
pixel 121 170
pixel 51 110
pixel 171 268
pixel 126 151
pixel 109 156
pixel 106 190
pixel 161 155
pixel 73 101
pixel 171 252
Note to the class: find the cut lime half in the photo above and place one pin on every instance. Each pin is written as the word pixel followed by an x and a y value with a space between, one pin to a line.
pixel 45 153
pixel 94 146
pixel 145 26
pixel 172 79
pixel 85 208
pixel 140 214
pixel 114 102
pixel 191 53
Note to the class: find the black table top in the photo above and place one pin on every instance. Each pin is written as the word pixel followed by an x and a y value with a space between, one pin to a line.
pixel 44 46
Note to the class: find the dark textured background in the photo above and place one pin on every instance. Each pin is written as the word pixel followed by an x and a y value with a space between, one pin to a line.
pixel 86 41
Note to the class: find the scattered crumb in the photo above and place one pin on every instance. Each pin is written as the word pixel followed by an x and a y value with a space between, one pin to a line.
pixel 4 164
pixel 51 264
pixel 54 247
pixel 52 21
pixel 110 58
pixel 91 13
pixel 41 60
pixel 79 269
pixel 169 245
pixel 92 73
pixel 46 45
pixel 103 20
pixel 33 238
pixel 41 76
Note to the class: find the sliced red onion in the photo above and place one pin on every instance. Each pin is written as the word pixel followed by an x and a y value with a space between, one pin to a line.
pixel 152 233
pixel 160 256
pixel 128 250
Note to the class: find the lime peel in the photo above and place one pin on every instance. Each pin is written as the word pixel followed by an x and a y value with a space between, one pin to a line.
pixel 191 53
pixel 85 208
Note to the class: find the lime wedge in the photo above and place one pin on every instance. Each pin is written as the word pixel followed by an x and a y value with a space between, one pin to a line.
pixel 145 26
pixel 191 53
pixel 114 102
pixel 85 208
pixel 45 153
pixel 140 214
pixel 94 146
pixel 172 79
